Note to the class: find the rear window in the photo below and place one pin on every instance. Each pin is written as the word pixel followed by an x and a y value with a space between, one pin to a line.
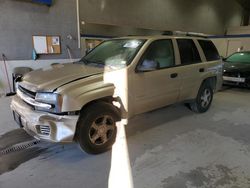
pixel 188 51
pixel 209 50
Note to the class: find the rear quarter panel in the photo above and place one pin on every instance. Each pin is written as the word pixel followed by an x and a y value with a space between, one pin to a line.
pixel 213 69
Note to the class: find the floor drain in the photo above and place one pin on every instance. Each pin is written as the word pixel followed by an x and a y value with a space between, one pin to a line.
pixel 19 147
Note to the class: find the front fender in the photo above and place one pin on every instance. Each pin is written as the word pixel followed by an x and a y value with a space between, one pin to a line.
pixel 75 104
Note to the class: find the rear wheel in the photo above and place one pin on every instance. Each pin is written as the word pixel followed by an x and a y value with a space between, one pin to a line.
pixel 96 130
pixel 203 100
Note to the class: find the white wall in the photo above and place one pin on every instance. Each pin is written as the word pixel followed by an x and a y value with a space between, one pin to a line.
pixel 227 46
pixel 238 30
pixel 236 40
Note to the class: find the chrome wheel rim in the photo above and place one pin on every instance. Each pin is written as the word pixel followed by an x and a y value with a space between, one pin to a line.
pixel 102 130
pixel 206 98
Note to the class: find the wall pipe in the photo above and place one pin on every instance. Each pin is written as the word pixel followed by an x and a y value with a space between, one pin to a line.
pixel 78 24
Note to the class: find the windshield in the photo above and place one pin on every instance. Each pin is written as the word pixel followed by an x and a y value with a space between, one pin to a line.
pixel 116 53
pixel 239 57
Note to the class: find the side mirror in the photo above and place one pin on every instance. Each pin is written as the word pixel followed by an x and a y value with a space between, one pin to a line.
pixel 147 66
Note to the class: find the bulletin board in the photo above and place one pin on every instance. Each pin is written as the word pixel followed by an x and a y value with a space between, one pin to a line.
pixel 47 44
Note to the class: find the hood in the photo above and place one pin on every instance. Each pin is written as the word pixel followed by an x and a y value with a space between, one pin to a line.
pixel 236 67
pixel 51 78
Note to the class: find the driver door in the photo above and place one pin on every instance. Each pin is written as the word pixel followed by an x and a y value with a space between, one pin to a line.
pixel 157 80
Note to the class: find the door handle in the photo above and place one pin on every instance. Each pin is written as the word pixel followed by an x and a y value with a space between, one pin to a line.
pixel 201 70
pixel 174 75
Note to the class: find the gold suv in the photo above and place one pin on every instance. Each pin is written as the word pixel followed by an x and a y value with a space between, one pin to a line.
pixel 120 78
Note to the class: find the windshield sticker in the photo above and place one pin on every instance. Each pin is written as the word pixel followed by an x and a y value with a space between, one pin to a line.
pixel 132 44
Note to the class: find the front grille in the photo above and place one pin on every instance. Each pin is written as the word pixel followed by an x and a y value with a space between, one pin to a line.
pixel 245 75
pixel 237 74
pixel 246 84
pixel 231 74
pixel 43 129
pixel 27 92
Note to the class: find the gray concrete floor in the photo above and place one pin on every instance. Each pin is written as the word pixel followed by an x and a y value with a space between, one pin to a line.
pixel 171 147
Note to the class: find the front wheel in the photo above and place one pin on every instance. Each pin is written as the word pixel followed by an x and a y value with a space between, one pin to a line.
pixel 203 100
pixel 96 129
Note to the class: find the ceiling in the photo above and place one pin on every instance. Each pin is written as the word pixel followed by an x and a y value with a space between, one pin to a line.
pixel 245 3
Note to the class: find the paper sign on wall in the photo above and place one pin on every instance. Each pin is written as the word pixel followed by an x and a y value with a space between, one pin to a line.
pixel 40 44
pixel 55 41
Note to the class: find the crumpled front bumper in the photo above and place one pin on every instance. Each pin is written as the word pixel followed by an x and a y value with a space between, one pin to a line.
pixel 58 128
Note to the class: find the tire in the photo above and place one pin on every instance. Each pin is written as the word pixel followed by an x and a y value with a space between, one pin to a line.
pixel 203 100
pixel 96 128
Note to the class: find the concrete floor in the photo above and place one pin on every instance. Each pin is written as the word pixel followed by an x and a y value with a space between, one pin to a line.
pixel 171 147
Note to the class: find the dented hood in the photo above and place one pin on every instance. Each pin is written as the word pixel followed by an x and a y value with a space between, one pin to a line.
pixel 51 78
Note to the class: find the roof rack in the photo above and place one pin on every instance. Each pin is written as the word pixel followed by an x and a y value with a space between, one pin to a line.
pixel 183 33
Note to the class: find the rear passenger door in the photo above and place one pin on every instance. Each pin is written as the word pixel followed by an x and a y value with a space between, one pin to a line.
pixel 193 68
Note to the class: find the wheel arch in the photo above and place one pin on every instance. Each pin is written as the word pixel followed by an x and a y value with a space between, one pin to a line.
pixel 106 99
pixel 195 104
pixel 212 81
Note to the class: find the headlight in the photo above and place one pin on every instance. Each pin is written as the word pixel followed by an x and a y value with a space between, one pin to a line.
pixel 50 98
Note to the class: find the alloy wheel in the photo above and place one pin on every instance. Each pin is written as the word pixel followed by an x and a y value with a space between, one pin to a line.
pixel 102 130
pixel 206 98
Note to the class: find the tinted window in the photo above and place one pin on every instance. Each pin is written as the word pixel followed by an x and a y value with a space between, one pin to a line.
pixel 209 50
pixel 160 54
pixel 188 51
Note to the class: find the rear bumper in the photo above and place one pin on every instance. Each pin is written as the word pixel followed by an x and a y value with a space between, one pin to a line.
pixel 44 125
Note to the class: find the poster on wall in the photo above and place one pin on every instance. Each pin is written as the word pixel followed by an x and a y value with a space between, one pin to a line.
pixel 55 41
pixel 40 44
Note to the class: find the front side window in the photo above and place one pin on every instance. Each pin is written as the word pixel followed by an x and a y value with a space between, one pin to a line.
pixel 209 50
pixel 188 51
pixel 116 53
pixel 239 57
pixel 159 55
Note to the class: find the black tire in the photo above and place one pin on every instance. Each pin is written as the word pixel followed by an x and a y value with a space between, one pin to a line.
pixel 203 100
pixel 91 129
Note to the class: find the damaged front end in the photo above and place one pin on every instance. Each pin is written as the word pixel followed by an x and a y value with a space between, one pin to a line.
pixel 39 114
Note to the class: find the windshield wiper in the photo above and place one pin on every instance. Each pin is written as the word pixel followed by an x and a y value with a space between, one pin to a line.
pixel 83 60
pixel 98 62
pixel 92 63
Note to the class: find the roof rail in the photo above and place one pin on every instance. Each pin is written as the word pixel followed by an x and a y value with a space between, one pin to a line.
pixel 194 34
pixel 183 33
